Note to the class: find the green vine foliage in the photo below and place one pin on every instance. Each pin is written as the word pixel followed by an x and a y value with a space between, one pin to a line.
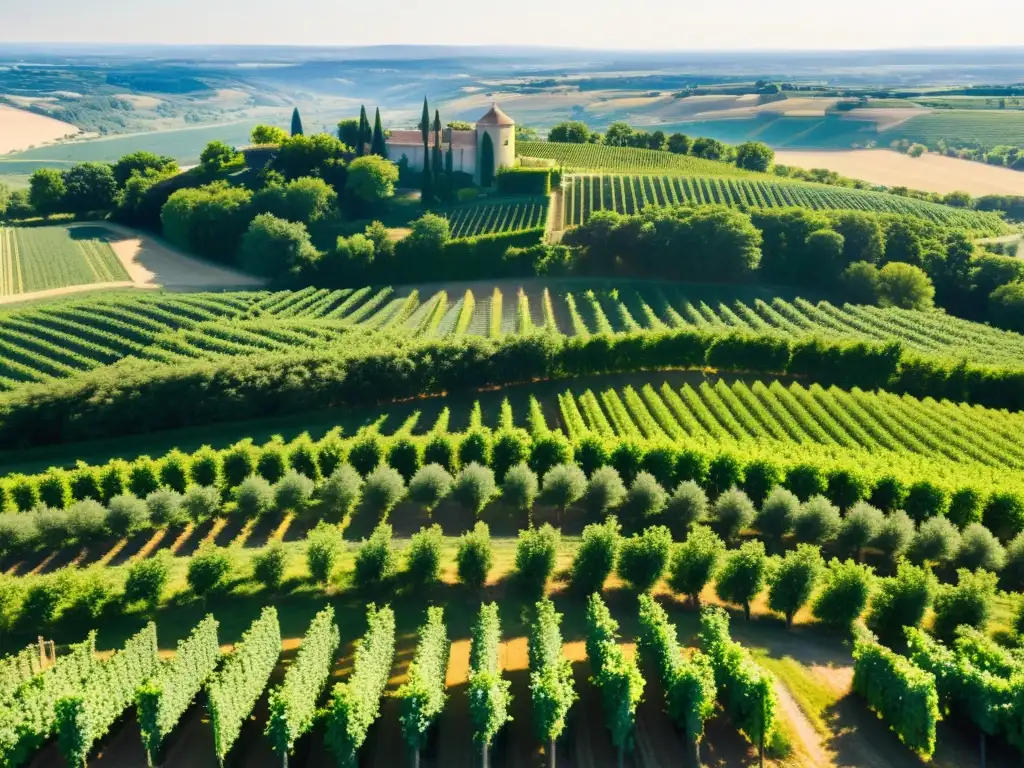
pixel 293 703
pixel 551 684
pixel 745 690
pixel 900 692
pixel 689 684
pixel 355 704
pixel 422 697
pixel 617 677
pixel 86 715
pixel 163 699
pixel 234 691
pixel 31 718
pixel 489 696
pixel 15 670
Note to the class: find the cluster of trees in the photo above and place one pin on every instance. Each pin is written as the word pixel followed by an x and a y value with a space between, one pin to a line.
pixel 1004 155
pixel 754 155
pixel 890 259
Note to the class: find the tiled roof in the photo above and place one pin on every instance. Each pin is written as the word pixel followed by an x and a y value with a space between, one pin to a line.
pixel 495 116
pixel 414 138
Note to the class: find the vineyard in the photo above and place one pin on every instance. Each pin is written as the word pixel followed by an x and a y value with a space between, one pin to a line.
pixel 498 217
pixel 60 340
pixel 983 128
pixel 630 194
pixel 40 258
pixel 603 159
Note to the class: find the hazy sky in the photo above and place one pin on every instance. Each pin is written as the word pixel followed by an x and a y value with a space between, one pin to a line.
pixel 637 24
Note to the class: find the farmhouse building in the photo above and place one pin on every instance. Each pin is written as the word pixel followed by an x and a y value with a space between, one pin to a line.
pixel 478 152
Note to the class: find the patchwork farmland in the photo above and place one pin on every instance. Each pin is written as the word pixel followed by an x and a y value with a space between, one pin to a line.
pixel 42 258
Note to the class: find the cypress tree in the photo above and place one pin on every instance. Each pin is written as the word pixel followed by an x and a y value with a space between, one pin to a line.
pixel 364 132
pixel 428 178
pixel 448 158
pixel 296 123
pixel 437 142
pixel 378 146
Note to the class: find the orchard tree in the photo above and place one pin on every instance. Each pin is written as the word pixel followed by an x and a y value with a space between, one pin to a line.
pixel 793 581
pixel 754 156
pixel 46 191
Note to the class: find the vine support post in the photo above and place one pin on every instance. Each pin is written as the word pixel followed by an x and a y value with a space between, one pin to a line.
pixel 551 754
pixel 485 756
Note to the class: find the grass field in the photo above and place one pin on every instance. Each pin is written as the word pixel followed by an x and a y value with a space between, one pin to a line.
pixel 631 194
pixel 62 338
pixel 41 258
pixel 975 127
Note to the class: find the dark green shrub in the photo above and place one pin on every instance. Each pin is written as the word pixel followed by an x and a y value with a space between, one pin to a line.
pixel 147 579
pixel 254 497
pixel 201 503
pixel 92 592
pixel 743 575
pixel 339 492
pixel 404 455
pixel 323 550
pixel 88 521
pixel 1012 573
pixel 45 599
pixel 511 448
pixel 24 492
pixel 627 459
pixel 239 462
pixel 695 562
pixel 474 487
pixel 474 557
pixel 375 559
pixel 901 601
pixel 366 453
pixel 659 462
pixel 127 515
pixel 937 541
pixel 114 479
pixel 926 500
pixel 969 603
pixel 605 492
pixel 845 488
pixel 85 483
pixel 965 507
pixel 806 480
pixel 423 557
pixel 777 516
pixel 441 450
pixel 143 477
pixel 293 492
pixel 817 522
pixel 692 465
pixel 724 472
pixel 644 556
pixel 1004 514
pixel 272 460
pixel 54 489
pixel 330 453
pixel 895 535
pixel 205 467
pixel 175 471
pixel 686 507
pixel 731 513
pixel 166 508
pixel 302 457
pixel 548 451
pixel 645 501
pixel 268 566
pixel 536 551
pixel 595 559
pixel 563 486
pixel 979 548
pixel 590 453
pixel 520 488
pixel 208 570
pixel 18 534
pixel 844 595
pixel 475 448
pixel 860 528
pixel 759 478
pixel 429 485
pixel 382 490
pixel 889 494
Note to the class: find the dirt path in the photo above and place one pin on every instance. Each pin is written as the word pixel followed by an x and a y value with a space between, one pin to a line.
pixel 801 728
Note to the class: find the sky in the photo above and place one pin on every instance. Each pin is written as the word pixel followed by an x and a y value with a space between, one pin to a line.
pixel 611 24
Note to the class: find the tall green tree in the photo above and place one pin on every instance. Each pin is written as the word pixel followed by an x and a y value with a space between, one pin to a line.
pixel 364 132
pixel 378 146
pixel 437 142
pixel 428 176
pixel 46 191
pixel 296 123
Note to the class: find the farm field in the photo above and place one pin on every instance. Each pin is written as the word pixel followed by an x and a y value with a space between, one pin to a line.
pixel 63 338
pixel 44 258
pixel 930 172
pixel 498 216
pixel 597 157
pixel 984 128
pixel 20 129
pixel 632 193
